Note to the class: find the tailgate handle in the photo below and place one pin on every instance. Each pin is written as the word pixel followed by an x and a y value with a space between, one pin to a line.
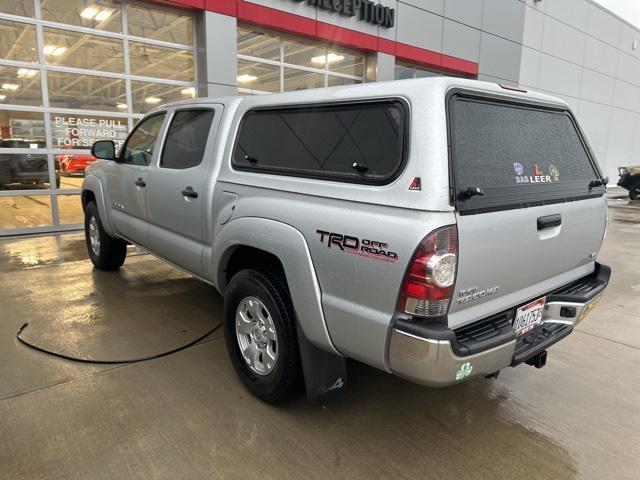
pixel 549 221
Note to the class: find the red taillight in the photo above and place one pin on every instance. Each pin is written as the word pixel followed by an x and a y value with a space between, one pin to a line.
pixel 427 287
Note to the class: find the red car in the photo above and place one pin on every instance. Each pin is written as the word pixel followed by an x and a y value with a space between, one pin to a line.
pixel 75 164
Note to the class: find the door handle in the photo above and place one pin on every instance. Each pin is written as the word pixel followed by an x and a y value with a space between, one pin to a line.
pixel 189 192
pixel 549 221
pixel 141 183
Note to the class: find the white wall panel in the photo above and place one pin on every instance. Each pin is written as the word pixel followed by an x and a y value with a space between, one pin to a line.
pixel 419 28
pixel 499 57
pixel 559 76
pixel 461 41
pixel 626 95
pixel 504 18
pixel 604 26
pixel 563 41
pixel 594 119
pixel 530 67
pixel 628 69
pixel 621 141
pixel 597 87
pixel 573 12
pixel 600 56
pixel 533 28
pixel 468 12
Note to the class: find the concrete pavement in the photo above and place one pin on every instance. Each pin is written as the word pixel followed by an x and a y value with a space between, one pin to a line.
pixel 188 416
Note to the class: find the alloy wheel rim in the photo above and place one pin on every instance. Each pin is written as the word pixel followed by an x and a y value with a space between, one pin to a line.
pixel 94 236
pixel 256 336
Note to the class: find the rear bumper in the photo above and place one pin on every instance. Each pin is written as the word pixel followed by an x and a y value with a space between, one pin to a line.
pixel 437 356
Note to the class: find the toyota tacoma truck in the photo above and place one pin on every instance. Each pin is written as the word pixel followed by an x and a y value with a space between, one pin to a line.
pixel 437 229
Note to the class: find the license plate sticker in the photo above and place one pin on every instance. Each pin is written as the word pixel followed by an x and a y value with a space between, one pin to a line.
pixel 528 316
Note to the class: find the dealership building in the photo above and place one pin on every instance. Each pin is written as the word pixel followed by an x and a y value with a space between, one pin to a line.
pixel 76 71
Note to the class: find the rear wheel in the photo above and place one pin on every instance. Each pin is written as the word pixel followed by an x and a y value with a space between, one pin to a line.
pixel 106 252
pixel 260 335
pixel 634 190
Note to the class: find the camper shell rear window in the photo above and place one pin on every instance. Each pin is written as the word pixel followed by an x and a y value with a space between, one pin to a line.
pixel 515 154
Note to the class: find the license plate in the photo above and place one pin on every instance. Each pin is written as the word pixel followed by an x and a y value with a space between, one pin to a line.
pixel 528 316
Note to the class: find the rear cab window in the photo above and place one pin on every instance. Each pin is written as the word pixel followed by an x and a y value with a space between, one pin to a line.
pixel 359 142
pixel 518 155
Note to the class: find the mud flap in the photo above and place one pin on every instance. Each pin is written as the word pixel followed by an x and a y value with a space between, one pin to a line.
pixel 325 374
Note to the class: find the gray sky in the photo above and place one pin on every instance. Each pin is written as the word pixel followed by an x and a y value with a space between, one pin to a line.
pixel 627 9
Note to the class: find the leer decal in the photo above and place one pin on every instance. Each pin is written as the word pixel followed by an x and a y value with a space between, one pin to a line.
pixel 537 176
pixel 416 184
pixel 356 246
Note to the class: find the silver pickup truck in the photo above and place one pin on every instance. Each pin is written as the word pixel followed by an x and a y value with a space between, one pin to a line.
pixel 437 229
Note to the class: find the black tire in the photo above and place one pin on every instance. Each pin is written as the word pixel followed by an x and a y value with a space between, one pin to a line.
pixel 284 381
pixel 634 190
pixel 111 251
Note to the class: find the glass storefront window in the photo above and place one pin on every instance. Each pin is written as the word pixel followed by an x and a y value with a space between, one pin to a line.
pixel 306 54
pixel 94 91
pixel 301 80
pixel 99 14
pixel 81 131
pixel 147 95
pixel 344 62
pixel 258 44
pixel 168 26
pixel 20 86
pixel 62 47
pixel 403 71
pixel 26 127
pixel 23 8
pixel 70 209
pixel 18 41
pixel 25 211
pixel 337 81
pixel 153 61
pixel 258 77
pixel 268 63
pixel 87 92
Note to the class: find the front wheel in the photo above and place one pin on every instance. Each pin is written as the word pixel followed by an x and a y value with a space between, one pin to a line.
pixel 634 191
pixel 260 335
pixel 106 252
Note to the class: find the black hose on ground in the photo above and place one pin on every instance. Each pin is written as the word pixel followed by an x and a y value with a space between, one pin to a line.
pixel 131 360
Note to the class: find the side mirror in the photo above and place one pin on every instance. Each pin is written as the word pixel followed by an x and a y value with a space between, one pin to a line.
pixel 104 150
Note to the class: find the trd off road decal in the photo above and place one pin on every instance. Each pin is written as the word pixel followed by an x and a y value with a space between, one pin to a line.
pixel 358 246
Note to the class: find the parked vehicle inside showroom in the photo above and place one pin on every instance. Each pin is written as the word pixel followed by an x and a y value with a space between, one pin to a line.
pixel 630 180
pixel 74 163
pixel 438 229
pixel 23 169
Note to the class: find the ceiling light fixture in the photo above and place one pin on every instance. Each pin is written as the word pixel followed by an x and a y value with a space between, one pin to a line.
pixel 26 72
pixel 3 97
pixel 153 100
pixel 10 86
pixel 322 59
pixel 89 12
pixel 103 15
pixel 121 106
pixel 54 50
pixel 245 78
pixel 191 91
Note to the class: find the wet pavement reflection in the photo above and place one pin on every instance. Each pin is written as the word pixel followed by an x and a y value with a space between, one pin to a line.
pixel 187 415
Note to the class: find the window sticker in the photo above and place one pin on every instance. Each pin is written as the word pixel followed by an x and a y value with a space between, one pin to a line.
pixel 538 175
